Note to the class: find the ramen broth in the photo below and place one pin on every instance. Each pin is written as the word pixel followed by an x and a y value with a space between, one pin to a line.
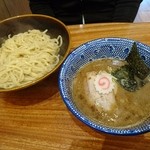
pixel 117 107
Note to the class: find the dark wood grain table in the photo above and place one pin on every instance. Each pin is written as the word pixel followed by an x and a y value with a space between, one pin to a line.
pixel 36 118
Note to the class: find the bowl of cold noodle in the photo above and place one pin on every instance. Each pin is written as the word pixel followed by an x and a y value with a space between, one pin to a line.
pixel 105 84
pixel 32 47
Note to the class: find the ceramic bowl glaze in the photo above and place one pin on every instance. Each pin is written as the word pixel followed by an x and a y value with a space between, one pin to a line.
pixel 96 49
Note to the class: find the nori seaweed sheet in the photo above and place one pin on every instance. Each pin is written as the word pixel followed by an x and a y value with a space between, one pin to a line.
pixel 141 70
pixel 131 76
pixel 125 77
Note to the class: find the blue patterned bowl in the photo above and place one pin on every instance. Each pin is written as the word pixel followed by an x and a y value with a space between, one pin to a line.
pixel 92 50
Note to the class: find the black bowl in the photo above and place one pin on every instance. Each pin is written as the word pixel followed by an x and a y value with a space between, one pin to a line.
pixel 23 23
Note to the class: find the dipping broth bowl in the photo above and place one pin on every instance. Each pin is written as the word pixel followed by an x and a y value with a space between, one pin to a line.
pixel 114 48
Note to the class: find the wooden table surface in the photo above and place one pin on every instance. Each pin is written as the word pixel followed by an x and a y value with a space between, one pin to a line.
pixel 36 118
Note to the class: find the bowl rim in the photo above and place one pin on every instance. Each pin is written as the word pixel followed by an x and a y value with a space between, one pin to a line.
pixel 99 127
pixel 60 62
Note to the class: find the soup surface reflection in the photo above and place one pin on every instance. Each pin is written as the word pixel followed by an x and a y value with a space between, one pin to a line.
pixel 101 98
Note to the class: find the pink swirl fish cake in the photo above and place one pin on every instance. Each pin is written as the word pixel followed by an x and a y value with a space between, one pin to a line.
pixel 100 90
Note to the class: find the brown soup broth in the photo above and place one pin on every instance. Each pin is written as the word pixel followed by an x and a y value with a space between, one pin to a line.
pixel 130 108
